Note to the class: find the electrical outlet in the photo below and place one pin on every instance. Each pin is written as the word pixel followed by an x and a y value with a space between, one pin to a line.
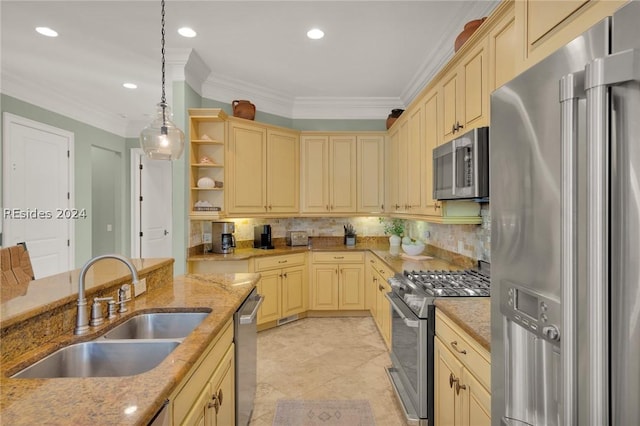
pixel 141 287
pixel 206 237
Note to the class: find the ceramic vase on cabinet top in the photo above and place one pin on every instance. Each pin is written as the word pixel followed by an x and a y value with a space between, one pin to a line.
pixel 244 109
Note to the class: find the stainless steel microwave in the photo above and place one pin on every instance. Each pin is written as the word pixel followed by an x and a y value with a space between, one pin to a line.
pixel 461 167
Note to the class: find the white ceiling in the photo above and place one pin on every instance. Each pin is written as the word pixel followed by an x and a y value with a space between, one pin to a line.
pixel 376 55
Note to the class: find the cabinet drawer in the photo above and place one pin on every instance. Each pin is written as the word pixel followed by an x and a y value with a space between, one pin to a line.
pixel 200 375
pixel 474 357
pixel 338 257
pixel 277 262
pixel 380 267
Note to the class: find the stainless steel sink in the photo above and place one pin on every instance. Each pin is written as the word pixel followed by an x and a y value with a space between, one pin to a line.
pixel 101 359
pixel 165 325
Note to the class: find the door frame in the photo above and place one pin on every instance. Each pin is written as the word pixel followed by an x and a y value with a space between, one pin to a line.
pixel 9 118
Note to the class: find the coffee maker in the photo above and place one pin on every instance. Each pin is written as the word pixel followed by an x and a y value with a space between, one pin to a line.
pixel 262 237
pixel 222 239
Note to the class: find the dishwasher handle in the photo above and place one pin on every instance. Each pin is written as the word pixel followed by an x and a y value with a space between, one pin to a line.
pixel 248 319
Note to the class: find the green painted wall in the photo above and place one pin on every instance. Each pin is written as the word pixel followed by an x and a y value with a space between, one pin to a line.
pixel 85 136
pixel 305 124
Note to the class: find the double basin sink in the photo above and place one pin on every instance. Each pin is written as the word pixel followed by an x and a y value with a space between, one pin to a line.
pixel 133 347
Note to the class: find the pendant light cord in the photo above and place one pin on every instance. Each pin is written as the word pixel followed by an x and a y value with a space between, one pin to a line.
pixel 163 99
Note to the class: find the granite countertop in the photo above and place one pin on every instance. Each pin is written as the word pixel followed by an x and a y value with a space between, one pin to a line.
pixel 110 400
pixel 472 315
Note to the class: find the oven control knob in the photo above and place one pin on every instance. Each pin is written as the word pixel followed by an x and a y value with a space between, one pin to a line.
pixel 551 332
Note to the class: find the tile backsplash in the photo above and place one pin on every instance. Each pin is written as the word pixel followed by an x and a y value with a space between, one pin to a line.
pixel 469 240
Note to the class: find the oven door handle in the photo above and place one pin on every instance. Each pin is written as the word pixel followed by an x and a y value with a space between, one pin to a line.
pixel 413 323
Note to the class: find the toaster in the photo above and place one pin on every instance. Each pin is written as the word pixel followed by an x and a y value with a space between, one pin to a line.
pixel 297 238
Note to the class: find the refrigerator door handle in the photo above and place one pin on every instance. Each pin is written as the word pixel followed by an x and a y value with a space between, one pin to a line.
pixel 571 90
pixel 599 74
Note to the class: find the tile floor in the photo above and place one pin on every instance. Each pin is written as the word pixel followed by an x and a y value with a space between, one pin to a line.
pixel 324 358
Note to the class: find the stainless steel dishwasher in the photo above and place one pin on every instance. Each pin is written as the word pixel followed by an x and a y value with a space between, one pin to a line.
pixel 245 338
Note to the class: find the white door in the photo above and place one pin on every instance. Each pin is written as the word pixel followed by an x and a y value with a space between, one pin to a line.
pixel 37 186
pixel 153 204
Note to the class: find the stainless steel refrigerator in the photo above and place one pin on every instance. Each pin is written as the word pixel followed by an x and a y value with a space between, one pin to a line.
pixel 565 222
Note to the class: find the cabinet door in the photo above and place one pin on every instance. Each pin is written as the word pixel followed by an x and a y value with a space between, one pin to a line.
pixel 502 51
pixel 403 157
pixel 475 96
pixel 432 118
pixel 283 172
pixel 351 287
pixel 447 369
pixel 370 174
pixel 343 178
pixel 475 401
pixel 370 288
pixel 247 168
pixel 393 149
pixel 543 16
pixel 198 414
pixel 324 287
pixel 223 385
pixel 269 288
pixel 315 174
pixel 384 309
pixel 415 155
pixel 451 107
pixel 294 294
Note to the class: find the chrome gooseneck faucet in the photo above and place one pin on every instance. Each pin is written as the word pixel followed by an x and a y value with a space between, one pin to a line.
pixel 82 319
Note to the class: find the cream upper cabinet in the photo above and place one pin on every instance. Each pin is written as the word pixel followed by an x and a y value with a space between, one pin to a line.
pixel 545 26
pixel 414 159
pixel 247 168
pixel 263 169
pixel 283 171
pixel 393 154
pixel 475 87
pixel 432 112
pixel 315 174
pixel 452 108
pixel 329 177
pixel 371 175
pixel 465 95
pixel 503 48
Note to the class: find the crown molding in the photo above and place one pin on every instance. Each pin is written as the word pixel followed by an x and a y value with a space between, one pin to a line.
pixel 344 108
pixel 47 97
pixel 443 53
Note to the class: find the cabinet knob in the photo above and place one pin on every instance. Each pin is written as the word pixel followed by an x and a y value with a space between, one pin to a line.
pixel 452 380
pixel 453 128
pixel 436 207
pixel 459 386
pixel 220 396
pixel 214 403
pixel 285 275
pixel 270 207
pixel 459 126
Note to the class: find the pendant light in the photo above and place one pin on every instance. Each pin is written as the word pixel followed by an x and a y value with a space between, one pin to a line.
pixel 162 140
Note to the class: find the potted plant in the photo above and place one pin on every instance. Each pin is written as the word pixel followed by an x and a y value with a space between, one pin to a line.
pixel 395 228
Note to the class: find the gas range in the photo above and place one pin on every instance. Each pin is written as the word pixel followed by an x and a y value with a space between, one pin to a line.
pixel 418 288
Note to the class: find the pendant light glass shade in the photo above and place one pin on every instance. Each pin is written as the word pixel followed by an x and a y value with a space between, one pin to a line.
pixel 162 140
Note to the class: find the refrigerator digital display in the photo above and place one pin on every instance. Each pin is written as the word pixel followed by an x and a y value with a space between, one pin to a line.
pixel 527 304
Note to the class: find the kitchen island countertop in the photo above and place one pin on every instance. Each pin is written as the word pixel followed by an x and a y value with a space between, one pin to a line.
pixel 131 400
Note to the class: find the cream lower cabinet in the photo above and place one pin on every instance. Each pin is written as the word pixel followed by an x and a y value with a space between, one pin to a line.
pixel 376 289
pixel 462 373
pixel 283 284
pixel 337 281
pixel 207 395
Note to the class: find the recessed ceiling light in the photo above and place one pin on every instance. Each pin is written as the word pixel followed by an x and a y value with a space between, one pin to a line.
pixel 315 34
pixel 187 32
pixel 130 85
pixel 46 31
